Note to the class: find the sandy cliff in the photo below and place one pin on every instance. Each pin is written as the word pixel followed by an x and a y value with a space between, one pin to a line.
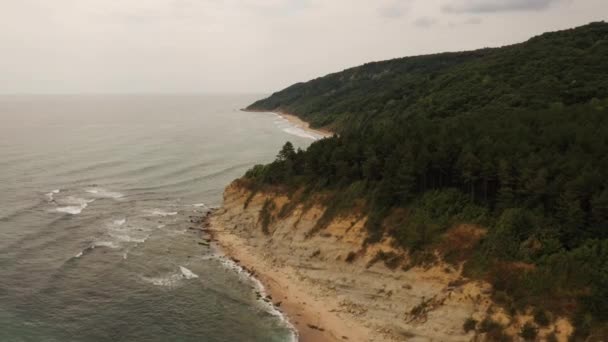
pixel 333 289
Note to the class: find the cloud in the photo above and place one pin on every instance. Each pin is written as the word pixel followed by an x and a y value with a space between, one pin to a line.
pixel 392 12
pixel 489 6
pixel 470 21
pixel 473 21
pixel 395 9
pixel 425 22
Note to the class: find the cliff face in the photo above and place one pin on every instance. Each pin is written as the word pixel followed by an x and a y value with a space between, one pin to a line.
pixel 367 287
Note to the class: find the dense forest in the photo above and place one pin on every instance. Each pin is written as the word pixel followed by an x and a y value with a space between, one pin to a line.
pixel 513 139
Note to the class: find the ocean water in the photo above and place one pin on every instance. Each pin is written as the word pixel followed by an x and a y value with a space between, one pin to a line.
pixel 96 198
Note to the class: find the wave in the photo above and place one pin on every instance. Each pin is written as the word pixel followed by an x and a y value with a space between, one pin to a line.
pixel 127 238
pixel 195 180
pixel 301 133
pixel 103 193
pixel 50 195
pixel 187 273
pixel 199 205
pixel 72 205
pixel 107 244
pixel 259 287
pixel 171 280
pixel 21 211
pixel 91 167
pixel 118 223
pixel 72 210
pixel 168 281
pixel 96 244
pixel 158 212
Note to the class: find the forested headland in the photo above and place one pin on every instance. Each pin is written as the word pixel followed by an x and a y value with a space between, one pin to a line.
pixel 512 139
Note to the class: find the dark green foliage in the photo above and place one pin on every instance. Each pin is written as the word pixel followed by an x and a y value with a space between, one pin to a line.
pixel 542 317
pixel 390 259
pixel 266 215
pixel 351 257
pixel 433 214
pixel 549 71
pixel 552 337
pixel 514 139
pixel 469 325
pixel 528 332
pixel 493 330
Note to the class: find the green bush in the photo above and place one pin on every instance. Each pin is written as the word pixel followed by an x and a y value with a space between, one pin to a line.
pixel 529 332
pixel 542 317
pixel 469 324
pixel 266 215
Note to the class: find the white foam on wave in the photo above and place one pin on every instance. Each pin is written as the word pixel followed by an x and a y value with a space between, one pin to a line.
pixel 158 212
pixel 173 279
pixel 72 210
pixel 103 193
pixel 199 205
pixel 187 273
pixel 73 205
pixel 293 129
pixel 118 223
pixel 107 244
pixel 128 238
pixel 50 195
pixel 168 281
pixel 259 287
pixel 300 133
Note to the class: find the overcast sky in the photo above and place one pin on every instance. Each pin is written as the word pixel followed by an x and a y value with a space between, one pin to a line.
pixel 259 46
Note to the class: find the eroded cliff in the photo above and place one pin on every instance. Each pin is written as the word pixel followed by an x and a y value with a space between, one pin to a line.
pixel 358 291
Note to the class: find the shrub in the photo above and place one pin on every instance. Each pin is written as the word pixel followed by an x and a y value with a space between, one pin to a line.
pixel 266 215
pixel 351 257
pixel 542 317
pixel 488 326
pixel 529 332
pixel 469 325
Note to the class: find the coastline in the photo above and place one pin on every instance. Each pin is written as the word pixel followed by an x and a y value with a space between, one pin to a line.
pixel 311 317
pixel 331 289
pixel 296 121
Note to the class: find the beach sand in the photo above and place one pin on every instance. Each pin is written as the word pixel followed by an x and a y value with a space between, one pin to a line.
pixel 296 121
pixel 310 316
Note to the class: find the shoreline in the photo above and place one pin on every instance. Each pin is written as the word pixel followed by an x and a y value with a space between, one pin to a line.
pixel 296 121
pixel 310 317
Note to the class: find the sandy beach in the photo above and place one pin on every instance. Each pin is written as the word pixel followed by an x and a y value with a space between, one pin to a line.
pixel 312 317
pixel 297 122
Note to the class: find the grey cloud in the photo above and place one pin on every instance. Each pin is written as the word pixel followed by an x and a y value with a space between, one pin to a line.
pixel 473 21
pixel 396 9
pixel 470 21
pixel 391 12
pixel 489 6
pixel 425 22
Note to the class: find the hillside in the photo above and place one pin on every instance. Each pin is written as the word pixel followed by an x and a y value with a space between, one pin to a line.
pixel 553 69
pixel 513 139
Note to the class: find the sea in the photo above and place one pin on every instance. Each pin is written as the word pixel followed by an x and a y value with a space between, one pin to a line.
pixel 97 193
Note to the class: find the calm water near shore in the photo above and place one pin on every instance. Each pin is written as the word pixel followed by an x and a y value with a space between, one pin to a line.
pixel 96 197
